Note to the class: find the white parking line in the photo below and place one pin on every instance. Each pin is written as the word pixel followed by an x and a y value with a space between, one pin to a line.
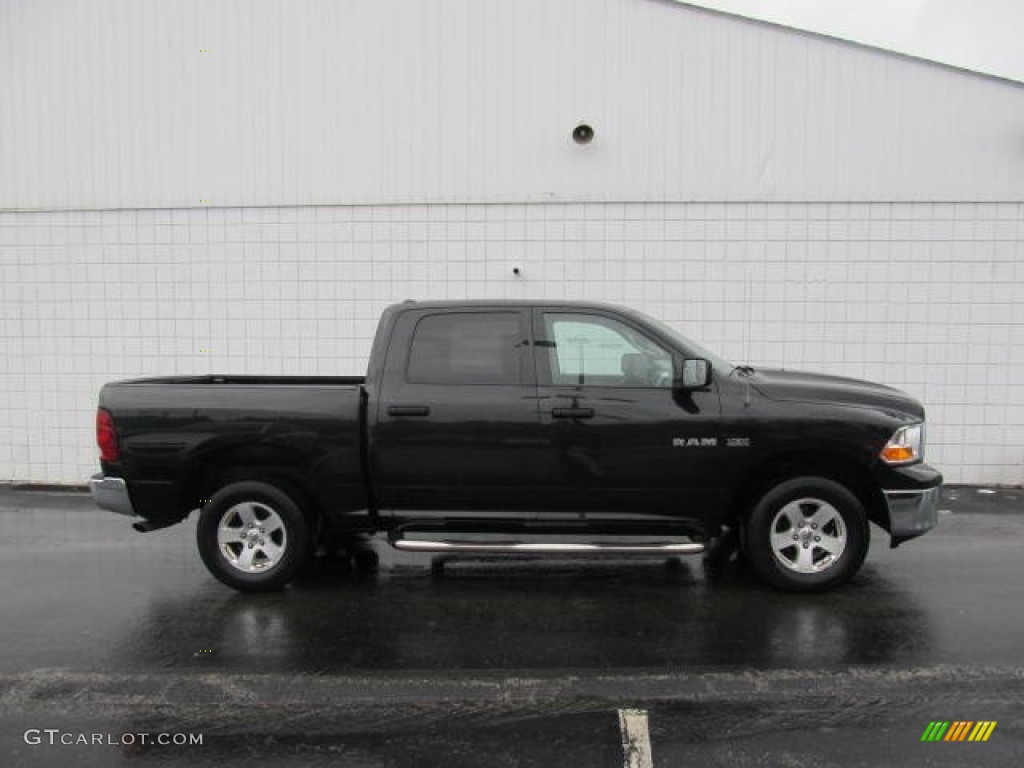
pixel 636 741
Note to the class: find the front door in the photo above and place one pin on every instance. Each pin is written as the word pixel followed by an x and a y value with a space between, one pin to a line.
pixel 621 443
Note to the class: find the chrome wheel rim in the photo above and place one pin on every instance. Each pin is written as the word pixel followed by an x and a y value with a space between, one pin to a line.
pixel 251 537
pixel 808 536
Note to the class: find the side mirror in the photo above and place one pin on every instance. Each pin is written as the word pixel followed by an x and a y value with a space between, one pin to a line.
pixel 693 373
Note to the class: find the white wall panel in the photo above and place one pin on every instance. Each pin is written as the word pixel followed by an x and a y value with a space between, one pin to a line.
pixel 122 104
pixel 925 297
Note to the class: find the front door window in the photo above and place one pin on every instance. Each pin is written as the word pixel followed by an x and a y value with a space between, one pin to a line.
pixel 600 351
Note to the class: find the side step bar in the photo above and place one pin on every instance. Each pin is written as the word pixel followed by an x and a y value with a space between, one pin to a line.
pixel 546 548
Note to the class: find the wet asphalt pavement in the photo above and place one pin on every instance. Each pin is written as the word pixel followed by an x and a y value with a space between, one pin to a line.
pixel 508 662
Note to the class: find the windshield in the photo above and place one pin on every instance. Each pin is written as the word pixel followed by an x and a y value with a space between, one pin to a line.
pixel 692 347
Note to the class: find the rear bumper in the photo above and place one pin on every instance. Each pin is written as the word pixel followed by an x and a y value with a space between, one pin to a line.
pixel 111 493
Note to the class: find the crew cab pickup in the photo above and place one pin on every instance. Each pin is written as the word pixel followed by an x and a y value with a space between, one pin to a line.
pixel 509 427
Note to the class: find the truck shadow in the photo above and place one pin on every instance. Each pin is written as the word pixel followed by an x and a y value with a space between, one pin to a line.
pixel 530 615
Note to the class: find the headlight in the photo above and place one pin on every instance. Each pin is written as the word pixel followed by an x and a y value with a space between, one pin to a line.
pixel 905 446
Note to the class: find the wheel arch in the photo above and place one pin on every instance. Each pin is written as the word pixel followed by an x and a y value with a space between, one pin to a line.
pixel 263 463
pixel 837 467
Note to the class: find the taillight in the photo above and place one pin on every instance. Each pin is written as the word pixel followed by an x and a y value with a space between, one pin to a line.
pixel 106 438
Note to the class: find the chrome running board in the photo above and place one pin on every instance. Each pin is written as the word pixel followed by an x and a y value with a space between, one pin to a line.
pixel 546 548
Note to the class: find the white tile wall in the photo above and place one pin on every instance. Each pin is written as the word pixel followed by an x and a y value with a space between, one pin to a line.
pixel 926 297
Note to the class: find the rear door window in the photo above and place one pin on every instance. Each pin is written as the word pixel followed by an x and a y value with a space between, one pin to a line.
pixel 468 348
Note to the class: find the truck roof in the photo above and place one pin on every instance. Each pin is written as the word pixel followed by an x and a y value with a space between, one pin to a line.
pixel 443 304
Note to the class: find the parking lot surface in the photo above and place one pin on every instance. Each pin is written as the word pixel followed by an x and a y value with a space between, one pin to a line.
pixel 508 662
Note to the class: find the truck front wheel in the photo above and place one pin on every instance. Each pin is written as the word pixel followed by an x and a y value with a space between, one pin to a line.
pixel 807 534
pixel 253 536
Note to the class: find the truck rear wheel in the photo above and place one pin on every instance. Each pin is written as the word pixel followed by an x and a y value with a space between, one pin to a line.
pixel 253 536
pixel 807 534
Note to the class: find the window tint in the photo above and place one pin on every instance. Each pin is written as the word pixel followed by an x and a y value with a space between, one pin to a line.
pixel 467 348
pixel 591 349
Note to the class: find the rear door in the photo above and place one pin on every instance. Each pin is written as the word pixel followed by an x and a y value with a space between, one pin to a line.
pixel 457 426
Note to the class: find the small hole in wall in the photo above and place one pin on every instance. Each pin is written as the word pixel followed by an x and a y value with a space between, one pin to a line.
pixel 583 134
pixel 515 271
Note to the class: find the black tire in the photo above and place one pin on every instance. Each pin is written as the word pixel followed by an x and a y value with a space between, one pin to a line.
pixel 807 534
pixel 253 536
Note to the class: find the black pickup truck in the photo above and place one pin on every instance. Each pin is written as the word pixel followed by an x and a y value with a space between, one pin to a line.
pixel 511 427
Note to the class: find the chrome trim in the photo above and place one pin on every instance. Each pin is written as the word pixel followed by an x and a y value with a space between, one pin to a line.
pixel 912 513
pixel 111 493
pixel 552 548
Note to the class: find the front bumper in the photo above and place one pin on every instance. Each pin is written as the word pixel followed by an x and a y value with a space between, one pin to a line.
pixel 111 493
pixel 911 493
pixel 912 513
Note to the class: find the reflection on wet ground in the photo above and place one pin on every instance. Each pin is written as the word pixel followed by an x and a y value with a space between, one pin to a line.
pixel 521 660
pixel 529 615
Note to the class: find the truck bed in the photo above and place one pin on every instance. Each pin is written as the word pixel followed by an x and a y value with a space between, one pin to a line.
pixel 177 434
